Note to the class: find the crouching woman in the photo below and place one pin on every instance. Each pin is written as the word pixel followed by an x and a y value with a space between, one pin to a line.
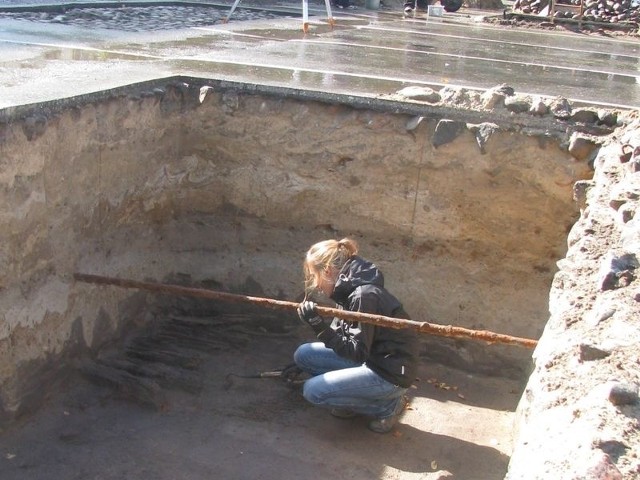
pixel 357 368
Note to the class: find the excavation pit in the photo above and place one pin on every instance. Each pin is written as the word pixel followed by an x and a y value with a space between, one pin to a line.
pixel 225 185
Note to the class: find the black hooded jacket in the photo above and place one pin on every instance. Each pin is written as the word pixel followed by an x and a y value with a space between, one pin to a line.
pixel 391 353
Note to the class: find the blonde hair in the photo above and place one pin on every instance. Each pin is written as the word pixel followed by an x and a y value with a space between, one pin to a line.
pixel 323 256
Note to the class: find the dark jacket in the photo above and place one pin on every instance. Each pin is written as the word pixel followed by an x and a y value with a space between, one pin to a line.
pixel 391 353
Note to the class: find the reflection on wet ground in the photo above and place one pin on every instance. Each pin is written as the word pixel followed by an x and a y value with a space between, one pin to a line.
pixel 90 55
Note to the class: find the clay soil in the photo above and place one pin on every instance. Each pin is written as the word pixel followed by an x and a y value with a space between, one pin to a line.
pixel 457 425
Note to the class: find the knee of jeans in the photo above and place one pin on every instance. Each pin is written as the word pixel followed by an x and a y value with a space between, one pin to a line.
pixel 301 354
pixel 297 355
pixel 309 393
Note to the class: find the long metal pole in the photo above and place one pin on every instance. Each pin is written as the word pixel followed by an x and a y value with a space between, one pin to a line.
pixel 380 320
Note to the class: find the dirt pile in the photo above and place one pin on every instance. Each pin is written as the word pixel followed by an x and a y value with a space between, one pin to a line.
pixel 594 10
pixel 132 18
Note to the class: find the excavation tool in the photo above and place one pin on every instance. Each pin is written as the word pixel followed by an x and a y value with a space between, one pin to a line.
pixel 292 375
pixel 380 320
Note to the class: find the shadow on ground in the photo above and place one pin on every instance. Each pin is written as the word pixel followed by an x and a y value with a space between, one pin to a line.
pixel 254 428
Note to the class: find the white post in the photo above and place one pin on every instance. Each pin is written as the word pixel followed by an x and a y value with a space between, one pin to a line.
pixel 329 14
pixel 235 5
pixel 305 16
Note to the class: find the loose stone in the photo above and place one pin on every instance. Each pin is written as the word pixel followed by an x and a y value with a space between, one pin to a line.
pixel 617 271
pixel 584 116
pixel 517 104
pixel 627 213
pixel 623 394
pixel 560 108
pixel 424 94
pixel 600 314
pixel 605 117
pixel 589 353
pixel 538 107
pixel 492 100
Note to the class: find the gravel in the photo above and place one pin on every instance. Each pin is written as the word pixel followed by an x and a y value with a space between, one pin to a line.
pixel 138 19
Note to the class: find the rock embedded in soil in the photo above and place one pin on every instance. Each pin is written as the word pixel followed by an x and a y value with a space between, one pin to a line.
pixel 589 353
pixel 581 147
pixel 623 394
pixel 447 131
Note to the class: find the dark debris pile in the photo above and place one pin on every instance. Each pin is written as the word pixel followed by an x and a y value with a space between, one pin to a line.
pixel 170 353
pixel 138 19
pixel 606 11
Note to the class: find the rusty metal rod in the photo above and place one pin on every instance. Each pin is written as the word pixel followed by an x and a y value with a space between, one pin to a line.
pixel 380 320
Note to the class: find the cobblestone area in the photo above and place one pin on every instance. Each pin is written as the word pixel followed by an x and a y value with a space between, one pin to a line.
pixel 139 19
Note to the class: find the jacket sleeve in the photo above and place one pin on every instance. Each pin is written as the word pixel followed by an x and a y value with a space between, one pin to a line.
pixel 350 344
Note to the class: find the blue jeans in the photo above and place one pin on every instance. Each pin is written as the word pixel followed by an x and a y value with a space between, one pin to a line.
pixel 341 383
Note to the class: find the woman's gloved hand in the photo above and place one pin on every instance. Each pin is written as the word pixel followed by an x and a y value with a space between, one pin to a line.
pixel 309 315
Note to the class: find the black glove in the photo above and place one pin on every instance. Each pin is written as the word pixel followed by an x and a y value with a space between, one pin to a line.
pixel 308 314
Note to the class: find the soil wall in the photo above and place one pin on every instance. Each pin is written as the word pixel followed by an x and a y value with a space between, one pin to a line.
pixel 580 412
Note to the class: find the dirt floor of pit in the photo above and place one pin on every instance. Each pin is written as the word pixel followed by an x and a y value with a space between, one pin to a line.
pixel 456 426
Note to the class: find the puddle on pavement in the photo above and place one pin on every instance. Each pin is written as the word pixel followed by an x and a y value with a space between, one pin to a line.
pixel 291 77
pixel 78 54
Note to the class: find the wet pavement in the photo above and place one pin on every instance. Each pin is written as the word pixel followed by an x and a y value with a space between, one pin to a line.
pixel 45 56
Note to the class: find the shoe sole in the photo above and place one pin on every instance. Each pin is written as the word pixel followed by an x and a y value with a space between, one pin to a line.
pixel 393 418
